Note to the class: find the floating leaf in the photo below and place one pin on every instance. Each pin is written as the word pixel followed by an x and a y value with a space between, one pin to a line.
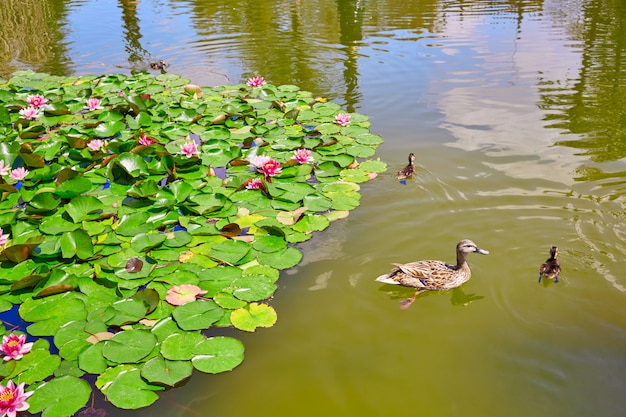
pixel 230 251
pixel 217 354
pixel 76 243
pixel 73 187
pixel 130 391
pixel 129 346
pixel 51 397
pixel 180 346
pixel 200 314
pixel 80 207
pixel 146 241
pixel 50 313
pixel 164 371
pixel 255 315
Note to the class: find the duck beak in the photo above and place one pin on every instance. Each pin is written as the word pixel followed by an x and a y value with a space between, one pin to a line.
pixel 481 251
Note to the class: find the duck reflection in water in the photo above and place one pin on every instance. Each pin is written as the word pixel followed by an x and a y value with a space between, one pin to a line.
pixel 458 297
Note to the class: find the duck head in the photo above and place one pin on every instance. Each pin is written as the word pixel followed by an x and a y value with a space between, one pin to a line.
pixel 467 246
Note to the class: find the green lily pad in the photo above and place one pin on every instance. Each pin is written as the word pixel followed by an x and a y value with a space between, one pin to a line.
pixel 51 397
pixel 164 371
pixel 133 224
pixel 218 354
pixel 284 259
pixel 230 251
pixel 130 391
pixel 37 365
pixel 92 360
pixel 76 243
pixel 129 346
pixel 73 187
pixel 179 346
pixel 197 315
pixel 50 313
pixel 253 316
pixel 83 207
pixel 146 241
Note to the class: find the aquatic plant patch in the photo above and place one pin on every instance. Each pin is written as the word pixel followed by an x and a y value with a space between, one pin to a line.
pixel 137 212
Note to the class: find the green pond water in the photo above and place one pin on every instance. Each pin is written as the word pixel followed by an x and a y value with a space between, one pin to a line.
pixel 516 111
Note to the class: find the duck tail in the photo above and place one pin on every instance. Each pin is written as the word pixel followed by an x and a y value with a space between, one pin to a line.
pixel 387 279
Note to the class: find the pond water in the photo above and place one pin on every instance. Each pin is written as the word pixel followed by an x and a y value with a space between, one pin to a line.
pixel 515 110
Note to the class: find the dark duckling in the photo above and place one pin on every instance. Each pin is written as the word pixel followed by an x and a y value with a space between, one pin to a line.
pixel 551 267
pixel 409 170
pixel 159 65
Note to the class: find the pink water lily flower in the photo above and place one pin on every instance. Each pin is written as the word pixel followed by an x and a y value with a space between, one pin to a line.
pixel 255 81
pixel 36 100
pixel 95 144
pixel 30 113
pixel 342 119
pixel 19 173
pixel 303 156
pixel 145 140
pixel 4 169
pixel 93 103
pixel 183 294
pixel 270 169
pixel 3 238
pixel 189 149
pixel 259 161
pixel 14 346
pixel 13 399
pixel 255 184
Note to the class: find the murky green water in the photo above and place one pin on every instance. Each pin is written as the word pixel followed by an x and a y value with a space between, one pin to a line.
pixel 517 113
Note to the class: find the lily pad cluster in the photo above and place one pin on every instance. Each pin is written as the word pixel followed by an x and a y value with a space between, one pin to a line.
pixel 117 189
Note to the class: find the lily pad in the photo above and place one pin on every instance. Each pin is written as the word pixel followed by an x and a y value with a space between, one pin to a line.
pixel 217 354
pixel 253 316
pixel 200 314
pixel 129 346
pixel 51 397
pixel 163 371
pixel 130 391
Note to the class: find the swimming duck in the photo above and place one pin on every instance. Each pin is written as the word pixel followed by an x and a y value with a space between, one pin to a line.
pixel 409 170
pixel 159 65
pixel 551 267
pixel 433 275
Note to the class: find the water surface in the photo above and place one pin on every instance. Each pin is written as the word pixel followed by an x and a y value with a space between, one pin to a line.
pixel 515 110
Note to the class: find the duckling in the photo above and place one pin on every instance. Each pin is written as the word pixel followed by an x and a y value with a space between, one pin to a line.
pixel 551 268
pixel 433 275
pixel 159 65
pixel 409 170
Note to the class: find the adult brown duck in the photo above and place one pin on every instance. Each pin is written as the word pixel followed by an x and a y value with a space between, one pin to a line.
pixel 551 268
pixel 433 275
